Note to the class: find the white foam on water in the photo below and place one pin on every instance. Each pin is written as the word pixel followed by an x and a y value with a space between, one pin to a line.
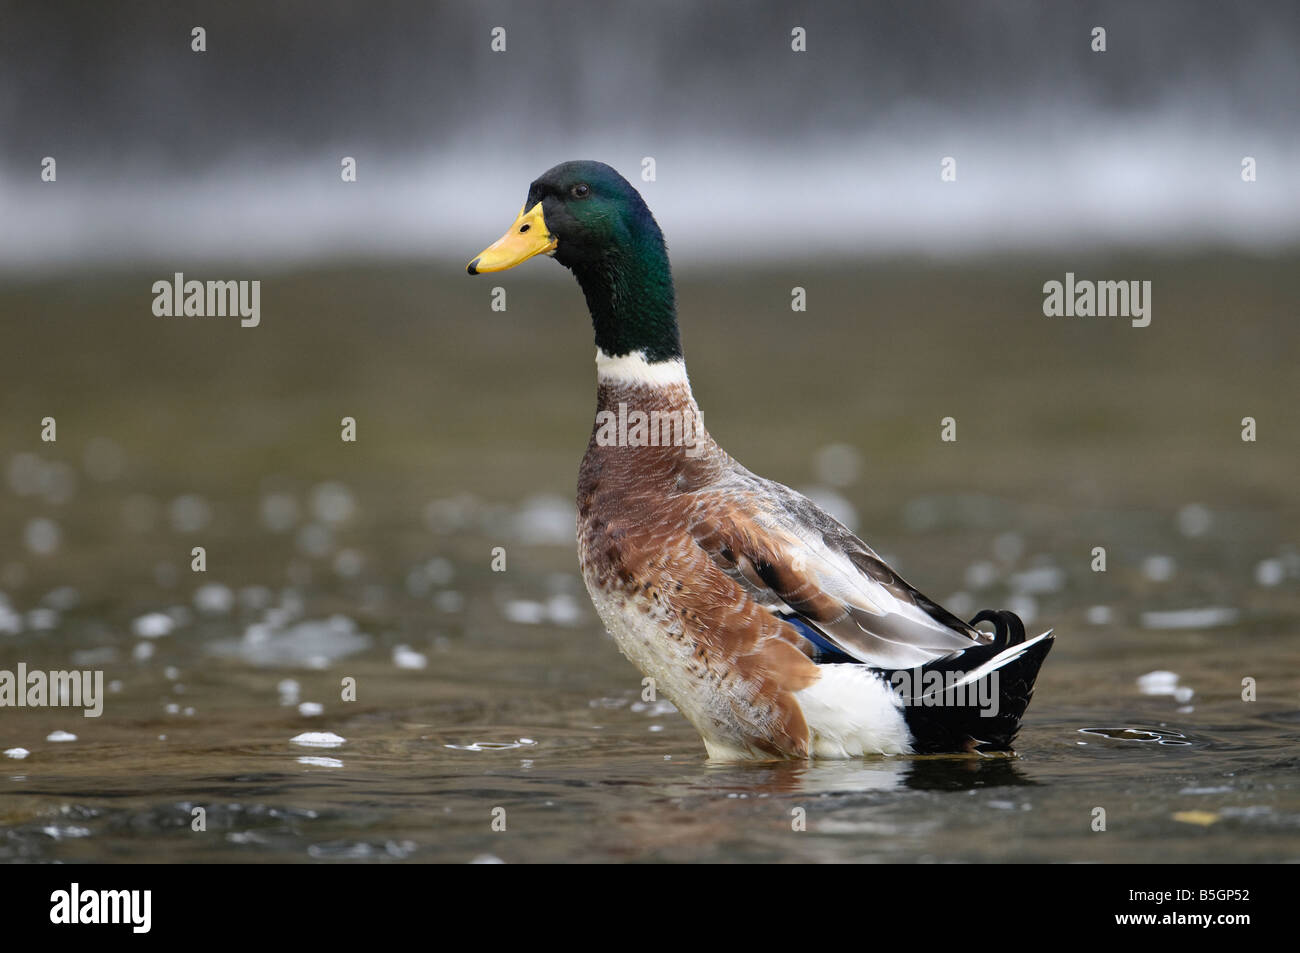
pixel 317 739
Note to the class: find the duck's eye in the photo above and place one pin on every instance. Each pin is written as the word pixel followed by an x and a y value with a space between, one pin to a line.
pixel 580 191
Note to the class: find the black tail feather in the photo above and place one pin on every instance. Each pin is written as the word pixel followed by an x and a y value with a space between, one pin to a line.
pixel 983 715
pixel 1010 630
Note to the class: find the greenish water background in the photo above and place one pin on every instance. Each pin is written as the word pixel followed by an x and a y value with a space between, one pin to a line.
pixel 1072 433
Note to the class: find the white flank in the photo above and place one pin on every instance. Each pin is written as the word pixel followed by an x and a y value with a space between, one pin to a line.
pixel 635 369
pixel 851 712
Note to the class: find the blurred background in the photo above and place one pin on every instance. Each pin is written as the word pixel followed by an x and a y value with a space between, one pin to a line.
pixel 773 169
pixel 235 152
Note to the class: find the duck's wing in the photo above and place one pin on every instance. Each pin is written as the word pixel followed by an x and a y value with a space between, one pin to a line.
pixel 798 562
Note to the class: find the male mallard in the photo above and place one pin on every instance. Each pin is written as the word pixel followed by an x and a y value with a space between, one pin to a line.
pixel 771 627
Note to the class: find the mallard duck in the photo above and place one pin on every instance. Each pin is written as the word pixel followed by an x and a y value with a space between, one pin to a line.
pixel 773 629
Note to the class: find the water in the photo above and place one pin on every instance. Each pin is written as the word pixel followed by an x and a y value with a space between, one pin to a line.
pixel 367 568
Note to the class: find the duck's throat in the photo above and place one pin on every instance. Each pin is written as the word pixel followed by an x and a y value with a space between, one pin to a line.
pixel 663 382
pixel 646 415
pixel 633 307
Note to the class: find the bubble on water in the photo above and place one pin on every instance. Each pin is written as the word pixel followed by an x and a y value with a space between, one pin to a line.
pixel 143 651
pixel 189 513
pixel 981 574
pixel 214 599
pixel 1159 682
pixel 563 609
pixel 486 859
pixel 288 689
pixel 406 657
pixel 312 643
pixel 311 709
pixel 42 535
pixel 95 658
pixel 1161 736
pixel 1039 579
pixel 103 459
pixel 320 762
pixel 348 563
pixel 172 708
pixel 1025 606
pixel 317 739
pixel 58 482
pixel 16 753
pixel 1098 615
pixel 153 625
pixel 1204 618
pixel 493 745
pixel 1158 568
pixel 525 611
pixel 449 600
pixel 59 736
pixel 837 464
pixel 140 513
pixel 332 502
pixel 292 600
pixel 451 514
pixel 42 620
pixel 1162 682
pixel 64 598
pixel 834 503
pixel 436 572
pixel 171 673
pixel 1194 519
pixel 11 622
pixel 24 473
pixel 546 520
pixel 656 708
pixel 440 571
pixel 315 540
pixel 1008 547
pixel 961 604
pixel 1270 572
pixel 279 512
pixel 255 597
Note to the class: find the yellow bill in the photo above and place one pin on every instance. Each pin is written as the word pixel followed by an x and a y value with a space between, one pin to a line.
pixel 527 237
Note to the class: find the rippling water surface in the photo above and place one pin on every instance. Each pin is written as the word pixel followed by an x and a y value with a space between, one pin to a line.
pixel 350 680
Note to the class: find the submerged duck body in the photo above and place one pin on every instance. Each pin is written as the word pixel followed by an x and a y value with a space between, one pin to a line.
pixel 773 629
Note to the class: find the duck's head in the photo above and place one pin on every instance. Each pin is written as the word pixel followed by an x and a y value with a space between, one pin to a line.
pixel 591 220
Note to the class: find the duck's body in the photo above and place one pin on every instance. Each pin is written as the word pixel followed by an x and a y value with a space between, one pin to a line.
pixel 771 627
